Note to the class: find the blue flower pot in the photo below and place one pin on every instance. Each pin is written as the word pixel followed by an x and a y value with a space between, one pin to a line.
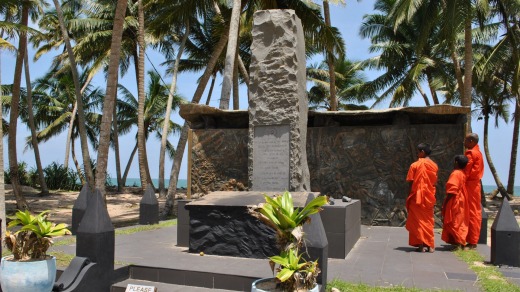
pixel 34 276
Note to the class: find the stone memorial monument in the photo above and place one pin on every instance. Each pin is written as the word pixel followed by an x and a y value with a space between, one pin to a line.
pixel 278 104
pixel 220 223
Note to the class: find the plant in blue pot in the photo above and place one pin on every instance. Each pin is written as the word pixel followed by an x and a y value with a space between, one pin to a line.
pixel 293 272
pixel 29 268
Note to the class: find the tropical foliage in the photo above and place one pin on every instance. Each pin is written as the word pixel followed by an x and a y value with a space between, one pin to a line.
pixel 34 238
pixel 456 52
pixel 279 213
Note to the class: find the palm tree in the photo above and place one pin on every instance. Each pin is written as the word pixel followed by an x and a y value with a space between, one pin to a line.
pixel 156 97
pixel 410 55
pixel 330 56
pixel 110 97
pixel 492 92
pixel 33 8
pixel 81 114
pixel 349 78
pixel 141 142
pixel 32 127
pixel 230 54
pixel 55 107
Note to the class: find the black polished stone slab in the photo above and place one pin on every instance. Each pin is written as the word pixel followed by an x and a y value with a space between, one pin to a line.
pixel 505 237
pixel 483 227
pixel 183 223
pixel 220 224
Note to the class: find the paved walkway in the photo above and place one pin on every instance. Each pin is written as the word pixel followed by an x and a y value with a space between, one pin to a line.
pixel 381 257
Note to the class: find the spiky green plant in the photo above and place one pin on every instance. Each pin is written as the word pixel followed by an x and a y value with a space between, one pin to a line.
pixel 293 271
pixel 35 236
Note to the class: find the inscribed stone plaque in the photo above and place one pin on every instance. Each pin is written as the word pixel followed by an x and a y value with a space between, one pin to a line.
pixel 271 158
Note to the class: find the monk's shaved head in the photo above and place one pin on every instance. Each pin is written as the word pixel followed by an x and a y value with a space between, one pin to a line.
pixel 425 147
pixel 461 161
pixel 472 136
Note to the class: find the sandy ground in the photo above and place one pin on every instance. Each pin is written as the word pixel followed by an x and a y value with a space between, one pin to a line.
pixel 123 208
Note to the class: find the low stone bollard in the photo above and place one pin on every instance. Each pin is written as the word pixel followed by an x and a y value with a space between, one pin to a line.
pixel 505 237
pixel 78 210
pixel 149 207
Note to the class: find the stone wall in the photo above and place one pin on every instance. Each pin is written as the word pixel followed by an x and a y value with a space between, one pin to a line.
pixel 366 160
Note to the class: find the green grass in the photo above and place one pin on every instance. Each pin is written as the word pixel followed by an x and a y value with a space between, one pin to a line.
pixel 489 277
pixel 63 259
pixel 350 287
pixel 131 230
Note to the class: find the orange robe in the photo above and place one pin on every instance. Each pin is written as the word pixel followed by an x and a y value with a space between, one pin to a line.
pixel 474 172
pixel 454 211
pixel 420 202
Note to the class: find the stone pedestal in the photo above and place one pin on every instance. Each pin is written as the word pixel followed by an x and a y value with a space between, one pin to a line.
pixel 505 237
pixel 278 104
pixel 342 223
pixel 149 207
pixel 78 210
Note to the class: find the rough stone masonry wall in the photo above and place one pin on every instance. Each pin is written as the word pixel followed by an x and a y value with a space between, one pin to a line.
pixel 368 163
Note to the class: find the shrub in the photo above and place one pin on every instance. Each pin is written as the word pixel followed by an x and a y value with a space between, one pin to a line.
pixel 58 177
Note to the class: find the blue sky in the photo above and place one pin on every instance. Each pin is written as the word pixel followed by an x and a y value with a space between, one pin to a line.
pixel 348 20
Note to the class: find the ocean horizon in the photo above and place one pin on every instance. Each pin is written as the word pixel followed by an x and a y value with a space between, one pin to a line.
pixel 183 183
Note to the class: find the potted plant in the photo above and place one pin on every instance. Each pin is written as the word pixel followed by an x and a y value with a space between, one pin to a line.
pixel 29 268
pixel 293 272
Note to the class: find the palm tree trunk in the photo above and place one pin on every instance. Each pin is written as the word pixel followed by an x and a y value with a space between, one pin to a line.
pixel 34 140
pixel 162 154
pixel 115 138
pixel 71 122
pixel 468 70
pixel 127 169
pixel 213 77
pixel 492 168
pixel 2 182
pixel 236 97
pixel 179 151
pixel 514 149
pixel 432 90
pixel 330 62
pixel 110 95
pixel 230 55
pixel 458 71
pixel 243 70
pixel 21 203
pixel 76 163
pixel 81 114
pixel 141 135
pixel 423 94
pixel 69 134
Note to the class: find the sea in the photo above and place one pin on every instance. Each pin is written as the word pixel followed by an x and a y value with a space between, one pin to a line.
pixel 183 183
pixel 136 182
pixel 489 188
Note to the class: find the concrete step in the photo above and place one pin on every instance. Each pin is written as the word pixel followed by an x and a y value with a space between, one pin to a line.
pixel 161 287
pixel 183 280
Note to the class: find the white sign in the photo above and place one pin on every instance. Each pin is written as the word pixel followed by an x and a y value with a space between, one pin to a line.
pixel 140 288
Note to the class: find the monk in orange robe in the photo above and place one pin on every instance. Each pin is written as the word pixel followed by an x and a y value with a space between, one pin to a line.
pixel 454 210
pixel 474 172
pixel 422 177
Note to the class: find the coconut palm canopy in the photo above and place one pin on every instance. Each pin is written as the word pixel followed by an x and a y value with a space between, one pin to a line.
pixel 381 53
